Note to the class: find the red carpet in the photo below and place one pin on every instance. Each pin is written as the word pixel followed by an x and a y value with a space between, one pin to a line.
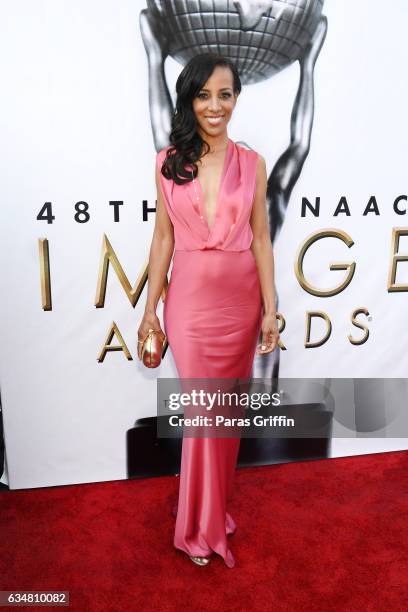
pixel 325 535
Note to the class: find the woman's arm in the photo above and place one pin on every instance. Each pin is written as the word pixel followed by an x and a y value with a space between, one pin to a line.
pixel 261 248
pixel 160 254
pixel 161 250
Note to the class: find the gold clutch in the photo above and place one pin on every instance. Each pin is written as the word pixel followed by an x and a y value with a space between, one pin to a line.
pixel 152 348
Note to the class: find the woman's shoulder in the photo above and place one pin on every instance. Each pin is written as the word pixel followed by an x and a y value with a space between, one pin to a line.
pixel 160 155
pixel 245 149
pixel 254 158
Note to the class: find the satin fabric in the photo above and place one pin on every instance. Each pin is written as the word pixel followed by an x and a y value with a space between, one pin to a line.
pixel 231 230
pixel 212 319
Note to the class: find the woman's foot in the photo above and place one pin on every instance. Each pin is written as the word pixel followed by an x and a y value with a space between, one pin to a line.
pixel 200 560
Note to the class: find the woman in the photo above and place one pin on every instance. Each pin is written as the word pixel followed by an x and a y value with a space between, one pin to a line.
pixel 211 206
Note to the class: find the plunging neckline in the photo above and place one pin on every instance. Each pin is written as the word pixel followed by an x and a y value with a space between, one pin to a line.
pixel 202 202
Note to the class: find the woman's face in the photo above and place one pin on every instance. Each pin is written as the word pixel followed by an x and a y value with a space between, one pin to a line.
pixel 215 102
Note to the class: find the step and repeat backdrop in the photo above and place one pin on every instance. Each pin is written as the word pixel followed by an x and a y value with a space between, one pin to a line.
pixel 88 91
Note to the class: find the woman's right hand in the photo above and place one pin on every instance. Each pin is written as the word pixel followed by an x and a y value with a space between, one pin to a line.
pixel 149 321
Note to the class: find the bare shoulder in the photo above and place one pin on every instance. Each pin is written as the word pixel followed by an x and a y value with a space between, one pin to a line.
pixel 261 160
pixel 261 166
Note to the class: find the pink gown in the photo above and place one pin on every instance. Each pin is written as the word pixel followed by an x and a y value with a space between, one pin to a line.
pixel 212 319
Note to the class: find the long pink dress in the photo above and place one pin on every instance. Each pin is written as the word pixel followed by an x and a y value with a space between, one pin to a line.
pixel 212 319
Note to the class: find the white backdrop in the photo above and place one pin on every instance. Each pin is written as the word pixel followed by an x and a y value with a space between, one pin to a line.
pixel 75 126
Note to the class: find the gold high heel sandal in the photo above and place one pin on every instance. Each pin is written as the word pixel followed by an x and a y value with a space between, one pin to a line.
pixel 200 560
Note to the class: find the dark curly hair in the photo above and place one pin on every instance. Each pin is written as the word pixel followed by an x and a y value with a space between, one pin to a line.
pixel 186 143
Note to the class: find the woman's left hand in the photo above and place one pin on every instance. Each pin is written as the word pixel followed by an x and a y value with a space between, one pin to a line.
pixel 270 335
